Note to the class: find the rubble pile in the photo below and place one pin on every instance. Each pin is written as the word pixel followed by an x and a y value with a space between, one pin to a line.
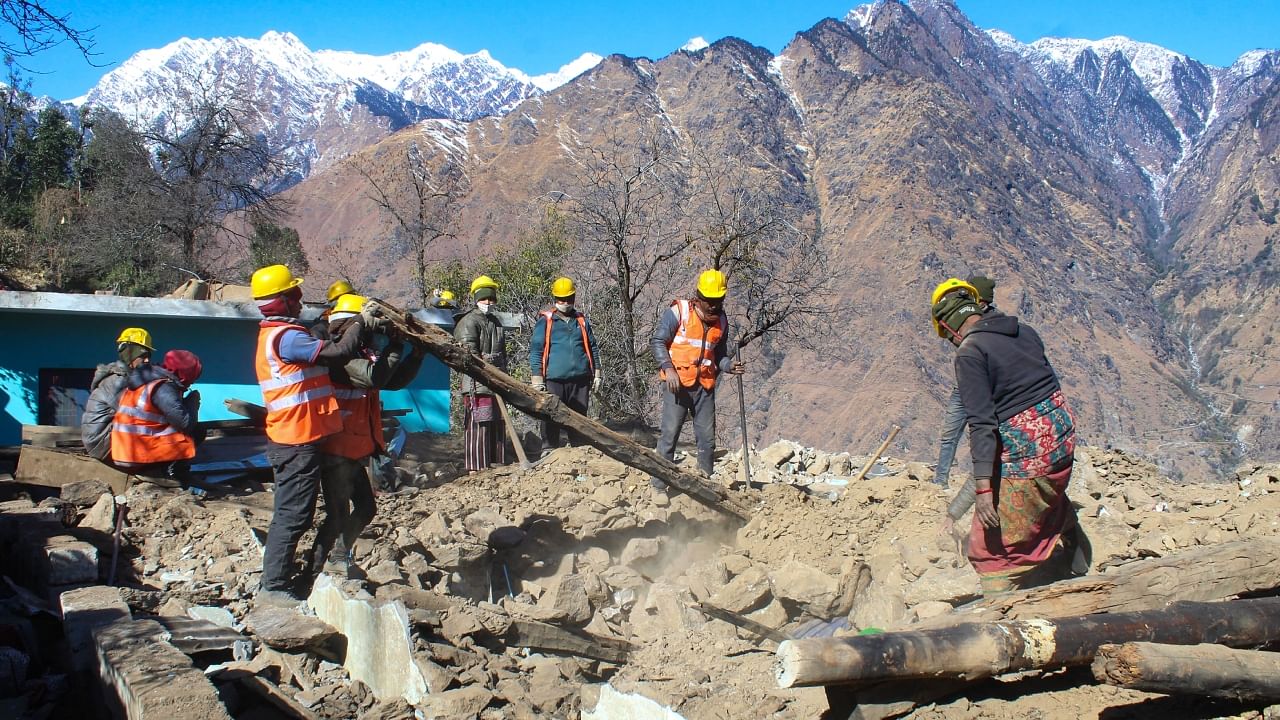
pixel 582 589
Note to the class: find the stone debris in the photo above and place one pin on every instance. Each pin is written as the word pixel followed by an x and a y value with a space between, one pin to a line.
pixel 584 555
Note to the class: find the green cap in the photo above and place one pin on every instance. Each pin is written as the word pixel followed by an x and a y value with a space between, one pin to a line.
pixel 953 310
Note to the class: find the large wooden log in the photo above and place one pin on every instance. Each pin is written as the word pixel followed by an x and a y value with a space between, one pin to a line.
pixel 548 407
pixel 1203 574
pixel 1245 675
pixel 978 650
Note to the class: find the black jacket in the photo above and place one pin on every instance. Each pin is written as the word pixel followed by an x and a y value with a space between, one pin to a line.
pixel 1001 370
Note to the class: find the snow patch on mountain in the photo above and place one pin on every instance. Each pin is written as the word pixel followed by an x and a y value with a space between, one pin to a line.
pixel 695 44
pixel 550 81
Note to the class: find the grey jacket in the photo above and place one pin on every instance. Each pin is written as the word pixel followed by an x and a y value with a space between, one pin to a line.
pixel 100 409
pixel 483 334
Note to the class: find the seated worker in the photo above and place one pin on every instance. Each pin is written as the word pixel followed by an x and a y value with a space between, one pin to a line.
pixel 133 348
pixel 348 495
pixel 154 432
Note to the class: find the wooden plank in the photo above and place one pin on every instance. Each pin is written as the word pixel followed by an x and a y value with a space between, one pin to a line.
pixel 541 636
pixel 545 406
pixel 979 650
pixel 737 620
pixel 1242 675
pixel 50 435
pixel 49 467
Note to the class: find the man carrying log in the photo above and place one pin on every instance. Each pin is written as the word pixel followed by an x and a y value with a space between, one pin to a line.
pixel 1022 439
pixel 691 345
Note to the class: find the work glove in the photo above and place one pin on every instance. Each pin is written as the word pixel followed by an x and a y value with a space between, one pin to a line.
pixel 669 376
pixel 538 383
pixel 370 318
pixel 595 384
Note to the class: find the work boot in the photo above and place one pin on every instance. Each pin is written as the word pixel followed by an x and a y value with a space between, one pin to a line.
pixel 339 566
pixel 279 599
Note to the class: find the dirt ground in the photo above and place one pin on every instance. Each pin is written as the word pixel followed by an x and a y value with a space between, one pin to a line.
pixel 582 541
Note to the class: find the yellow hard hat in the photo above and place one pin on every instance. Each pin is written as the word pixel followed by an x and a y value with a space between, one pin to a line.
pixel 563 288
pixel 446 299
pixel 349 303
pixel 272 280
pixel 338 289
pixel 949 285
pixel 712 285
pixel 945 288
pixel 137 336
pixel 484 281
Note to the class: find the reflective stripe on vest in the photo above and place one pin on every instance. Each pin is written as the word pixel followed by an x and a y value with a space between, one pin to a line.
pixel 546 342
pixel 693 349
pixel 299 398
pixel 141 434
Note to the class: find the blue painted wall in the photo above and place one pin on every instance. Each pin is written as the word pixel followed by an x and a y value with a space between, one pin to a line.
pixel 69 340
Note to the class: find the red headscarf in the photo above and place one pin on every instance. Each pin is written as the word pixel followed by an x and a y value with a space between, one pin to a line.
pixel 184 364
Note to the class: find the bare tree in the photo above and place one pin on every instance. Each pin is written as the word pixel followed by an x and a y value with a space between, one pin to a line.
pixel 420 194
pixel 746 228
pixel 37 28
pixel 626 205
pixel 211 163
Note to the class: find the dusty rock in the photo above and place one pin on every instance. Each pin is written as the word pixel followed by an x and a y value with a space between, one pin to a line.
pixel 396 709
pixel 879 608
pixel 460 704
pixel 806 587
pixel 102 516
pixel 930 609
pixel 385 573
pixel 432 531
pixel 744 593
pixel 777 453
pixel 217 615
pixel 492 529
pixel 288 630
pixel 438 677
pixel 460 622
pixel 950 585
pixel 568 598
pixel 641 553
pixel 83 493
pixel 457 556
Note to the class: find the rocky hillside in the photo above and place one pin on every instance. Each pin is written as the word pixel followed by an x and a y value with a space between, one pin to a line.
pixel 1122 195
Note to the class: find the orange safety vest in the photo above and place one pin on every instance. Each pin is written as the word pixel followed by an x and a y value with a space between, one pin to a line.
pixel 140 433
pixel 301 408
pixel 361 434
pixel 693 349
pixel 546 342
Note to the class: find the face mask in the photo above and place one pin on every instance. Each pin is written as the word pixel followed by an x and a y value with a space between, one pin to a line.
pixel 484 307
pixel 564 307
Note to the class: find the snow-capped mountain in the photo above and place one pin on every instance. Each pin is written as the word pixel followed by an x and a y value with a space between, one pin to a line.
pixel 320 105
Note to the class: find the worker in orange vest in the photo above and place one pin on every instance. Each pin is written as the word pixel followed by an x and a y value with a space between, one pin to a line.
pixel 292 369
pixel 133 348
pixel 154 432
pixel 348 496
pixel 563 358
pixel 691 345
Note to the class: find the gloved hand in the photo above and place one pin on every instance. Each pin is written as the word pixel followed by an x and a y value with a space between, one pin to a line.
pixel 669 376
pixel 595 384
pixel 370 318
pixel 538 383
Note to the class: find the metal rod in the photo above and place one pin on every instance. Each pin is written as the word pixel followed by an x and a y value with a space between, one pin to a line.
pixel 742 417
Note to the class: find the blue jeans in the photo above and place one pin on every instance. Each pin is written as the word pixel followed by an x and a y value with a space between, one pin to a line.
pixel 952 428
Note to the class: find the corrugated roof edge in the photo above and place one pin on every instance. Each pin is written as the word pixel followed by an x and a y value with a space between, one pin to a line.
pixel 47 302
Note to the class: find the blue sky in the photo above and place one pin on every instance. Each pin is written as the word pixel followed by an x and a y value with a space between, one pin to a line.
pixel 540 37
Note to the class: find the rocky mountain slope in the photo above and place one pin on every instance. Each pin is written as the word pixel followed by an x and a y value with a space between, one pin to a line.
pixel 1108 186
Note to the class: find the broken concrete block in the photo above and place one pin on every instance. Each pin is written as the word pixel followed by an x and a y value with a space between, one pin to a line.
pixel 807 587
pixel 460 704
pixel 151 678
pixel 83 493
pixel 67 561
pixel 290 631
pixel 379 644
pixel 746 592
pixel 83 610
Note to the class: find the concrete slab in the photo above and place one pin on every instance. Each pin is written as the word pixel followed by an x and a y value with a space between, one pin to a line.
pixel 66 561
pixel 84 610
pixel 151 679
pixel 614 705
pixel 379 644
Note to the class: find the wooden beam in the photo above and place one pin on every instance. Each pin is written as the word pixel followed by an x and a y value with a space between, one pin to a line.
pixel 1203 574
pixel 1243 675
pixel 541 636
pixel 979 650
pixel 429 338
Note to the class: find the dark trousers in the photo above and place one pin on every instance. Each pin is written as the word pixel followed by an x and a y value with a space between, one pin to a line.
pixel 348 508
pixel 953 423
pixel 297 475
pixel 699 402
pixel 574 393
